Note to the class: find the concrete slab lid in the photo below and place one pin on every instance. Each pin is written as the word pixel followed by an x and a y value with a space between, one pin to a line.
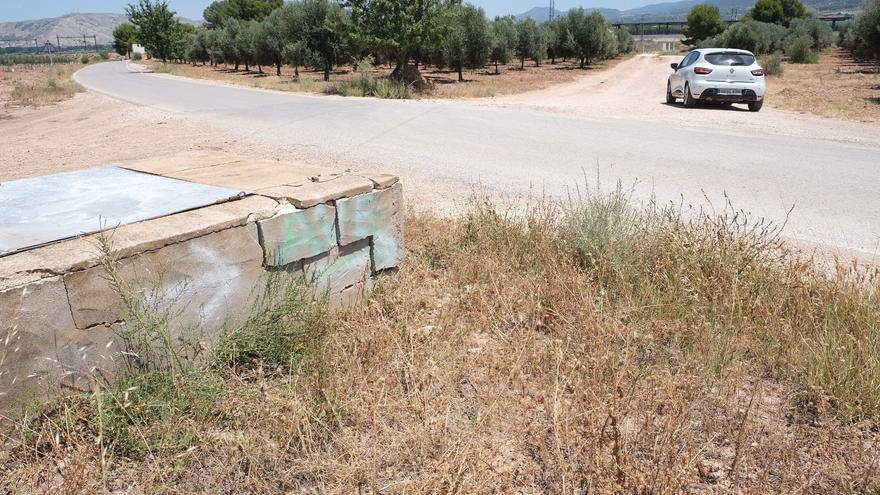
pixel 42 210
pixel 222 170
pixel 302 185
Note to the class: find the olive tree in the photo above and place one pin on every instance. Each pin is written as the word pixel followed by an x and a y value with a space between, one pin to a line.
pixel 863 35
pixel 467 38
pixel 504 40
pixel 396 28
pixel 590 36
pixel 530 42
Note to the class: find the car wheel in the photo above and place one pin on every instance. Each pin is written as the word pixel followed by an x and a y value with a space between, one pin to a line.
pixel 755 106
pixel 689 100
pixel 669 98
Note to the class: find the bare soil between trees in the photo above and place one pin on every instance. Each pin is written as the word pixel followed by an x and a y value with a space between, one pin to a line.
pixel 511 78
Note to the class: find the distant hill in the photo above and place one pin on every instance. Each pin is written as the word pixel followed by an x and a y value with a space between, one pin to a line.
pixel 100 25
pixel 542 14
pixel 674 11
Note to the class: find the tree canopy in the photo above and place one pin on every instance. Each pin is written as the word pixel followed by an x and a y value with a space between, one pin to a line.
pixel 396 28
pixel 157 26
pixel 466 41
pixel 124 36
pixel 218 12
pixel 504 39
pixel 529 42
pixel 589 35
pixel 704 21
pixel 778 11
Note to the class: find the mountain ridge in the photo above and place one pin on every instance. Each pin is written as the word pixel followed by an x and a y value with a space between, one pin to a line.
pixel 678 10
pixel 74 24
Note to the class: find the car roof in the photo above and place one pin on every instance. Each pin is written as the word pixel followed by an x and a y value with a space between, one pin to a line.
pixel 725 50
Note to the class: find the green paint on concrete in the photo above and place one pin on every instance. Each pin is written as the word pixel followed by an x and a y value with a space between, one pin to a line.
pixel 294 235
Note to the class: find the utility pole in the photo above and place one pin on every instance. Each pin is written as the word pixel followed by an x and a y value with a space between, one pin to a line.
pixel 552 10
pixel 48 49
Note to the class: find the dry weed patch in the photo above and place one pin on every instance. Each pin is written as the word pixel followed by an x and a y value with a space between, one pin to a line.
pixel 837 87
pixel 39 86
pixel 580 348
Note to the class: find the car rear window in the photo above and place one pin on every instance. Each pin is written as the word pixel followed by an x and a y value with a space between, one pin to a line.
pixel 730 59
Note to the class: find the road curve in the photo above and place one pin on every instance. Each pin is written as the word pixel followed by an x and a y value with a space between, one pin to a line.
pixel 833 186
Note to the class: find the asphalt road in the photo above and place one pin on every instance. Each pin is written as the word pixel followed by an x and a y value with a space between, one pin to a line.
pixel 833 186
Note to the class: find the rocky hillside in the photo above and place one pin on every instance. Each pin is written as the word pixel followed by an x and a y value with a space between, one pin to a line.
pixel 100 25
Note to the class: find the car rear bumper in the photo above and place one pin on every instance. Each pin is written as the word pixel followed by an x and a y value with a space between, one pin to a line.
pixel 708 90
pixel 711 94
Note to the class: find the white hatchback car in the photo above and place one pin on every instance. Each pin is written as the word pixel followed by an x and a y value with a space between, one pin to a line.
pixel 721 75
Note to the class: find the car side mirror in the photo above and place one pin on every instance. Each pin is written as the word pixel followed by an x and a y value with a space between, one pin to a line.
pixel 674 66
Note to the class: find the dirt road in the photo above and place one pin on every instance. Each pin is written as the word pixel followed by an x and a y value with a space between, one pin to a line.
pixel 635 89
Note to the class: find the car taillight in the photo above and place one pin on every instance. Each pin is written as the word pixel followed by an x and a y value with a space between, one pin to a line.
pixel 758 72
pixel 702 70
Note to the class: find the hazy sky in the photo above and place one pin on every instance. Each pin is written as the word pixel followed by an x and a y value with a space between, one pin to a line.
pixel 17 10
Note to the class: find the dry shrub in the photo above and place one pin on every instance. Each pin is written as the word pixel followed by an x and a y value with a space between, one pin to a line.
pixel 582 348
pixel 54 86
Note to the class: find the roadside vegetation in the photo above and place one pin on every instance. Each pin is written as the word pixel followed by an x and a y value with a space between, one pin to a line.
pixel 329 37
pixel 786 27
pixel 591 345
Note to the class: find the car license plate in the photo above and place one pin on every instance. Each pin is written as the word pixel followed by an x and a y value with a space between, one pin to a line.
pixel 730 92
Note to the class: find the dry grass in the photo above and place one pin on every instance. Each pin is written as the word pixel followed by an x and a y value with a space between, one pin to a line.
pixel 36 86
pixel 585 348
pixel 442 83
pixel 832 88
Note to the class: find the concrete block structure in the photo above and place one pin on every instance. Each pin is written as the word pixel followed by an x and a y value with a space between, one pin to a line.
pixel 60 318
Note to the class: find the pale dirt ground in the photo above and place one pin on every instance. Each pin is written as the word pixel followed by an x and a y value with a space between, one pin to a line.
pixel 635 89
pixel 91 130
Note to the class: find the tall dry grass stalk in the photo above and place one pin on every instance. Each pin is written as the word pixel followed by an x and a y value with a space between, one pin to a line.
pixel 580 348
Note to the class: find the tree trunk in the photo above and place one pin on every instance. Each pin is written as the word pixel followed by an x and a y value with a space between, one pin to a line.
pixel 522 63
pixel 247 67
pixel 296 71
pixel 327 68
pixel 260 68
pixel 278 69
pixel 496 68
pixel 236 67
pixel 397 73
pixel 460 75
